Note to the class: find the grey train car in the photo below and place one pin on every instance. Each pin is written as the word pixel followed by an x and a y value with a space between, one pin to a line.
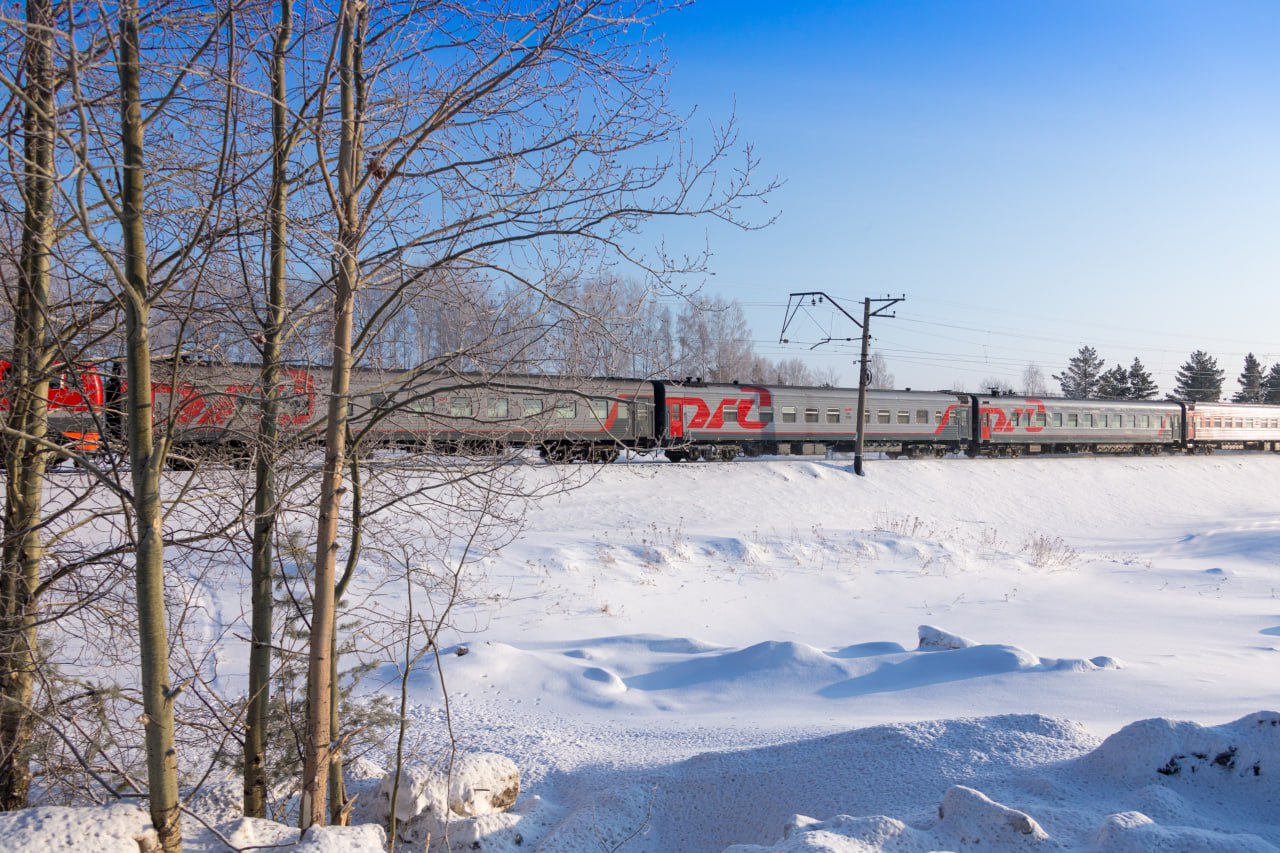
pixel 1010 426
pixel 715 420
pixel 213 409
pixel 566 419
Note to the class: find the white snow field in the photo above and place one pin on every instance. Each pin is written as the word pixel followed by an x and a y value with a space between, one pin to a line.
pixel 1075 654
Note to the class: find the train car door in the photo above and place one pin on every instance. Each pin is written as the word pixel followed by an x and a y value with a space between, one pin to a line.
pixel 675 418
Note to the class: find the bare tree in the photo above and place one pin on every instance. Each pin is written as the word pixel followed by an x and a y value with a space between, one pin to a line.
pixel 1033 381
pixel 880 375
pixel 526 141
pixel 997 385
pixel 26 450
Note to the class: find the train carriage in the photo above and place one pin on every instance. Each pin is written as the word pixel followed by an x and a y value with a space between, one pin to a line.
pixel 1213 426
pixel 216 407
pixel 75 400
pixel 566 419
pixel 1011 425
pixel 917 423
pixel 720 420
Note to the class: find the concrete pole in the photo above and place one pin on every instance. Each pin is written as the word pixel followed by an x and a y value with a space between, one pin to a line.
pixel 863 378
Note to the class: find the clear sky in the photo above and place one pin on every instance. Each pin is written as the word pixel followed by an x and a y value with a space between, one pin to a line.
pixel 1034 175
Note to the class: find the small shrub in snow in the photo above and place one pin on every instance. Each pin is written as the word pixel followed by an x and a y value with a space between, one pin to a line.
pixel 907 526
pixel 1049 552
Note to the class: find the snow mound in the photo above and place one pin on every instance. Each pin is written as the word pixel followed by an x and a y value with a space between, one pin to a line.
pixel 483 783
pixel 970 816
pixel 769 660
pixel 937 667
pixel 430 800
pixel 1245 752
pixel 1134 832
pixel 936 638
pixel 117 827
pixel 250 833
pixel 967 820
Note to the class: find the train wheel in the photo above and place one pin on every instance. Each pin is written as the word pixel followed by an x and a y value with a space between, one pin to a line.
pixel 604 454
pixel 555 454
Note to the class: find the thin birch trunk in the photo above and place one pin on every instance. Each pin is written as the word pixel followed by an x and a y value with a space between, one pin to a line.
pixel 347 274
pixel 145 458
pixel 25 459
pixel 265 498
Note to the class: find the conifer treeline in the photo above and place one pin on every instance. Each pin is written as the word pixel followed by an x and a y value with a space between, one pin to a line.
pixel 1198 379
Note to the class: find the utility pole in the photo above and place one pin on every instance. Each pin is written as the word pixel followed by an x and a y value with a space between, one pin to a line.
pixel 796 301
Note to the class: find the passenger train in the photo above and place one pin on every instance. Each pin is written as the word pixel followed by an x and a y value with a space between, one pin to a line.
pixel 212 410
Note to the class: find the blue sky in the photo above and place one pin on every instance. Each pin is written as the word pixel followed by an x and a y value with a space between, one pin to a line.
pixel 1033 176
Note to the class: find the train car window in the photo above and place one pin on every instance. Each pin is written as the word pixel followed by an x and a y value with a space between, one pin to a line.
pixel 766 416
pixel 461 407
pixel 1016 420
pixel 788 414
pixel 866 416
pixel 419 406
pixel 1073 419
pixel 624 411
pixel 496 408
pixel 811 416
pixel 531 408
pixel 922 416
pixel 1087 420
pixel 833 416
pixel 1057 419
pixel 1042 419
pixel 904 417
pixel 1146 421
pixel 600 408
pixel 882 416
pixel 1239 423
pixel 567 410
pixel 380 401
pixel 730 414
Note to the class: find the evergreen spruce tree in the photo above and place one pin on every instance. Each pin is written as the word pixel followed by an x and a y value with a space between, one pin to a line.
pixel 1140 385
pixel 1114 384
pixel 1252 383
pixel 1200 379
pixel 1273 384
pixel 1080 379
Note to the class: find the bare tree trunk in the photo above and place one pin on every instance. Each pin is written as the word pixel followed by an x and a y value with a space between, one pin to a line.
pixel 339 805
pixel 145 459
pixel 24 456
pixel 265 499
pixel 347 275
